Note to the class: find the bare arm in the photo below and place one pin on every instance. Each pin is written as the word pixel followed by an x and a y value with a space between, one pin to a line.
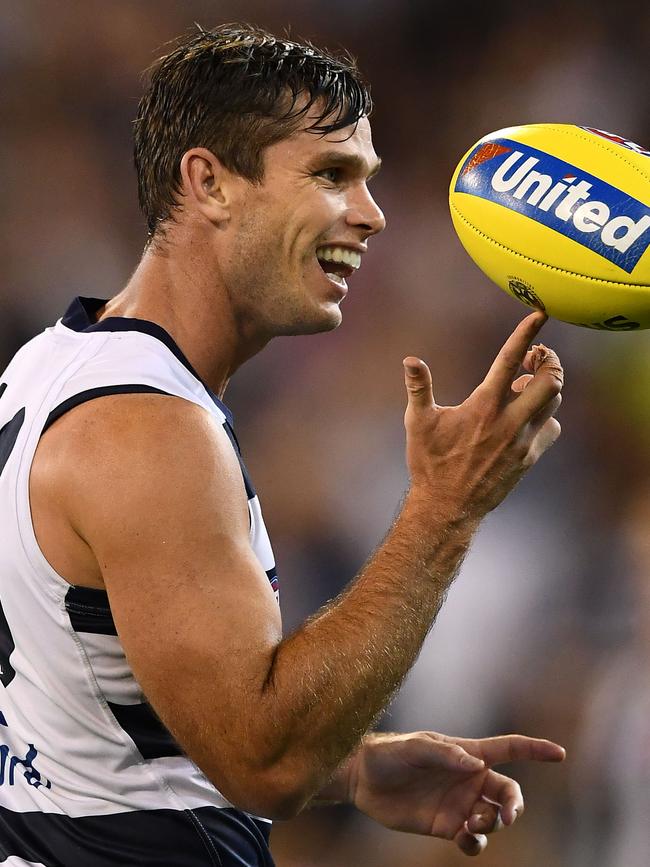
pixel 267 719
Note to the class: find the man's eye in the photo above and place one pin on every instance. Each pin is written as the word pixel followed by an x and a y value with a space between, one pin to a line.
pixel 331 174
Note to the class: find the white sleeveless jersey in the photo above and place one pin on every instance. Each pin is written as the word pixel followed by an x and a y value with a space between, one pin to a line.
pixel 89 776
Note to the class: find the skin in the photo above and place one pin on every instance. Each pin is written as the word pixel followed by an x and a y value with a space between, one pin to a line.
pixel 278 721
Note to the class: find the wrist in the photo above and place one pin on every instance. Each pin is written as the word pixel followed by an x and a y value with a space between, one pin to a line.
pixel 342 787
pixel 438 513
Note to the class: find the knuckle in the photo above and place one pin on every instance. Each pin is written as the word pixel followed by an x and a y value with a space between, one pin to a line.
pixel 510 360
pixel 417 388
pixel 551 385
pixel 457 752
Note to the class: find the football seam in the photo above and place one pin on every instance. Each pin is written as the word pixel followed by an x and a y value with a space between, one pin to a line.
pixel 574 131
pixel 601 280
pixel 592 138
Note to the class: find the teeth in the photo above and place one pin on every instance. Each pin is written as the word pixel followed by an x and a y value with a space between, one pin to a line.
pixel 337 278
pixel 340 254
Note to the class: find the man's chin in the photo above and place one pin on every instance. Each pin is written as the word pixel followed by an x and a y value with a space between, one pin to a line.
pixel 326 318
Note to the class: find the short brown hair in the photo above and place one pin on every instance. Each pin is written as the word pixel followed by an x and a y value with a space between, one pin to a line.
pixel 235 90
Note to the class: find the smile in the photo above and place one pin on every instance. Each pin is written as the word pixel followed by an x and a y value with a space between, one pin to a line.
pixel 338 263
pixel 350 259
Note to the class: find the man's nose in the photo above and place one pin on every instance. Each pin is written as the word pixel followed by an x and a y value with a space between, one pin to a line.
pixel 365 213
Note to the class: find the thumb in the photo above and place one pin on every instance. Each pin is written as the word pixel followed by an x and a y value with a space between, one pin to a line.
pixel 419 387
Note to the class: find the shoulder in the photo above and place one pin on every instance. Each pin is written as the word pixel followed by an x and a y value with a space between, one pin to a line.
pixel 132 454
pixel 130 426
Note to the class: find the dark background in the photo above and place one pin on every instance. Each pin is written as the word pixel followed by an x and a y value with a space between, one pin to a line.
pixel 547 629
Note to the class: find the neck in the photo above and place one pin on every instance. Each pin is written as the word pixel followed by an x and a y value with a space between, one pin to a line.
pixel 181 295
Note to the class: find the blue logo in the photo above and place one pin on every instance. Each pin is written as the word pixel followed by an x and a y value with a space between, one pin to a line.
pixel 9 763
pixel 561 196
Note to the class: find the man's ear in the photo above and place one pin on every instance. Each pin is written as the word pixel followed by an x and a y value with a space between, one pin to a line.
pixel 210 187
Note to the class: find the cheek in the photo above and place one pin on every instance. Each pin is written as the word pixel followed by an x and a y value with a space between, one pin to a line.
pixel 258 239
pixel 316 222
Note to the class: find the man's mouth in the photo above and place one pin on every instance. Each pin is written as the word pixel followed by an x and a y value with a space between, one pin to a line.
pixel 338 263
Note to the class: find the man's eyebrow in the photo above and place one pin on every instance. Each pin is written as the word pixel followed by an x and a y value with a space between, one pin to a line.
pixel 352 162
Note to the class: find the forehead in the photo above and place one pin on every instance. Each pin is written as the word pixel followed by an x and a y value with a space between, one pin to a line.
pixel 304 146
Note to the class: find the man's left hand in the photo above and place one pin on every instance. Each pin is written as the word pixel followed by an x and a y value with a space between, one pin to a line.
pixel 440 786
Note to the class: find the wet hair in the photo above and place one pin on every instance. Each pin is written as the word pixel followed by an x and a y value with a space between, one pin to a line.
pixel 235 90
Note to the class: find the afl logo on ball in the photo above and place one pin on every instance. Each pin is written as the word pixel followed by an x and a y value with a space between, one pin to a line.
pixel 525 292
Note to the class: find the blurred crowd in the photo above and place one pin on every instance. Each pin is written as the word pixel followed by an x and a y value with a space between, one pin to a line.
pixel 547 629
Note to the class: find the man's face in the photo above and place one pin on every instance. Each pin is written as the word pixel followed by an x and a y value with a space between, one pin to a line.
pixel 299 235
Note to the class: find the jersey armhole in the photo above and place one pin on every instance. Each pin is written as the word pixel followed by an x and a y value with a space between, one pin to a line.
pixel 101 391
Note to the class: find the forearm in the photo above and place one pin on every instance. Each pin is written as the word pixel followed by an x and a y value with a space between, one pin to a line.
pixel 330 680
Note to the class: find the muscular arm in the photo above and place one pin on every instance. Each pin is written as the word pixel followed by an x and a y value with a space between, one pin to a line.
pixel 164 511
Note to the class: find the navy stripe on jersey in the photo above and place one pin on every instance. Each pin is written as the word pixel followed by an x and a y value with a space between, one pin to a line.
pixel 9 435
pixel 101 391
pixel 250 490
pixel 203 837
pixel 90 611
pixel 147 731
pixel 7 647
pixel 80 316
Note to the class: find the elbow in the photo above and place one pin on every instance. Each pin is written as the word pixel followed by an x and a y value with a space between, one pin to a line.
pixel 283 804
pixel 273 793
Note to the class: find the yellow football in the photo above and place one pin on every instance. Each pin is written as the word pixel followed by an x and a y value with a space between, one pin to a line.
pixel 559 217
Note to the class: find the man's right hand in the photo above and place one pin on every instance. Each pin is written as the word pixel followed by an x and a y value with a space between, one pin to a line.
pixel 469 457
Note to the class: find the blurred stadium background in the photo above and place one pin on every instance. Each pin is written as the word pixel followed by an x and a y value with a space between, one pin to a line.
pixel 547 630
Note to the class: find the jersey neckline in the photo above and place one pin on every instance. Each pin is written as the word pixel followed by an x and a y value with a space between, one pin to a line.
pixel 80 317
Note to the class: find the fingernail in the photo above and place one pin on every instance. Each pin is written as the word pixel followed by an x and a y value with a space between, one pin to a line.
pixel 412 370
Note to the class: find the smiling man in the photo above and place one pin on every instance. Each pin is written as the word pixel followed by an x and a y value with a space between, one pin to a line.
pixel 153 711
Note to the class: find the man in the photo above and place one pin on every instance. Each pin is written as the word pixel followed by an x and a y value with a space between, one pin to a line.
pixel 154 713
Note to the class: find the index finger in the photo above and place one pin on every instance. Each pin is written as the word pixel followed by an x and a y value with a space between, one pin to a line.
pixel 506 365
pixel 513 748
